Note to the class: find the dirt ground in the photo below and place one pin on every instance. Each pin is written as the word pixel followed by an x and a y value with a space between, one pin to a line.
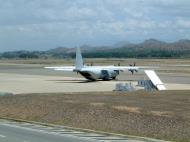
pixel 164 115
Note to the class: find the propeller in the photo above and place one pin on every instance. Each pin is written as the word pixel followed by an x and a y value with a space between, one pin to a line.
pixel 133 70
pixel 134 64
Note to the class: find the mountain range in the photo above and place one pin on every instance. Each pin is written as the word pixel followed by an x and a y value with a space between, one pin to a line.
pixel 150 48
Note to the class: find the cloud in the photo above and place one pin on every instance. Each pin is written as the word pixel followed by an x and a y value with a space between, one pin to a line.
pixel 70 23
pixel 183 23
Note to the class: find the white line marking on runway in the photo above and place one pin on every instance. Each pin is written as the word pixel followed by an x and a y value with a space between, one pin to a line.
pixel 2 136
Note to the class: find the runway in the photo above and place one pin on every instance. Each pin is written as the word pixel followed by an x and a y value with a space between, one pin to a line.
pixel 19 79
pixel 11 131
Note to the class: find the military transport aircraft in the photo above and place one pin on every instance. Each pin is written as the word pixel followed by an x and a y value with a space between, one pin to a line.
pixel 94 73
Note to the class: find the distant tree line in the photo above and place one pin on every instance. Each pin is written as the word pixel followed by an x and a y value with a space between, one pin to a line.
pixel 139 53
pixel 21 55
pixel 112 53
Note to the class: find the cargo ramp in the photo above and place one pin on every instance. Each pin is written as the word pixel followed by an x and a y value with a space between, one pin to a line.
pixel 159 85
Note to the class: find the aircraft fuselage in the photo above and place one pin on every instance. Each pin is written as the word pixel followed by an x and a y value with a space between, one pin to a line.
pixel 96 73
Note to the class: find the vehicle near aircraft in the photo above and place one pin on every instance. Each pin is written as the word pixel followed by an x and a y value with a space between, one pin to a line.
pixel 94 73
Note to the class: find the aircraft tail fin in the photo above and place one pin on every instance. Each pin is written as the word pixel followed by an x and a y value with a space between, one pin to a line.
pixel 79 60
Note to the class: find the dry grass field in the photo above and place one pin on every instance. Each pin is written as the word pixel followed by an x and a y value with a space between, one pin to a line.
pixel 164 115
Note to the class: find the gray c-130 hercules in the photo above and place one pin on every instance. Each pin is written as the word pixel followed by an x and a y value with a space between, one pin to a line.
pixel 94 73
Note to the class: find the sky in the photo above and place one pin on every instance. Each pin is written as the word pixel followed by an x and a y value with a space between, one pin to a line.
pixel 46 24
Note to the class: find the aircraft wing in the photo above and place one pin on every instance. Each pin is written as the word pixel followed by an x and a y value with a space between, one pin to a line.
pixel 65 68
pixel 119 68
pixel 126 68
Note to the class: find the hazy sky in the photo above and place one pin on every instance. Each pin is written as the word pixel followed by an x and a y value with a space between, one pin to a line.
pixel 45 24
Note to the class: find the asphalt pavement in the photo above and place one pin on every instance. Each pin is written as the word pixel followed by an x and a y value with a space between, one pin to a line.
pixel 11 131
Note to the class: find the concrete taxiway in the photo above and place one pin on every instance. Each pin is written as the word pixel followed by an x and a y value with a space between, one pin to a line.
pixel 17 83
